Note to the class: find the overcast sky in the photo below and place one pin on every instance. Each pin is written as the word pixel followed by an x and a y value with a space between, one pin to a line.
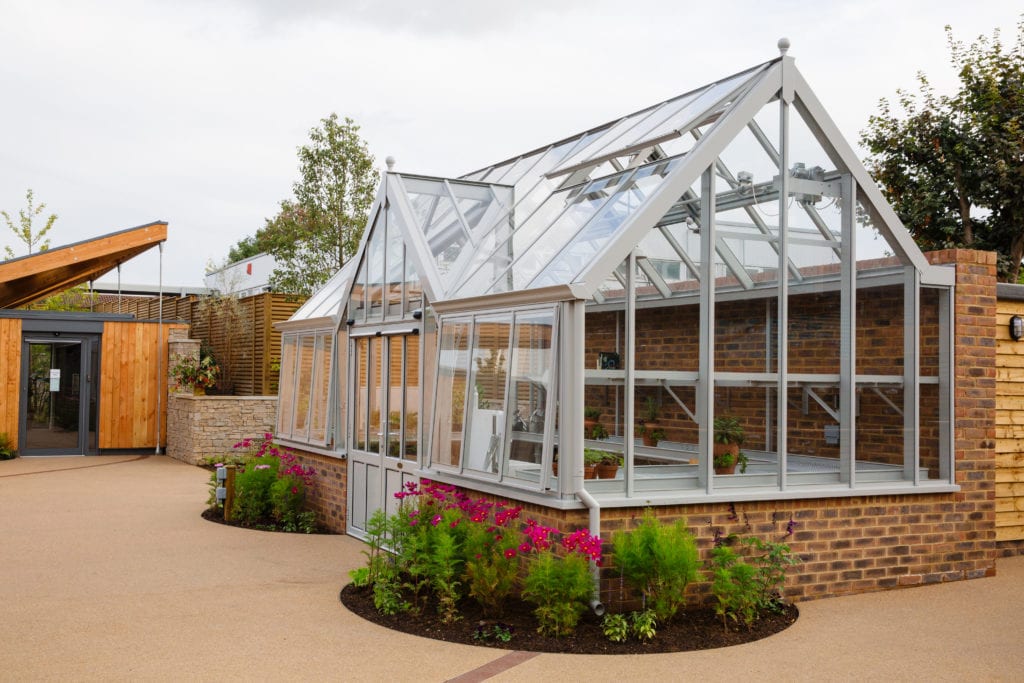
pixel 121 113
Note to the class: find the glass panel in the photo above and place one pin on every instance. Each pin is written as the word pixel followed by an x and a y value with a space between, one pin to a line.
pixel 413 288
pixel 394 282
pixel 394 393
pixel 300 428
pixel 449 407
pixel 588 242
pixel 357 300
pixel 375 275
pixel 486 408
pixel 321 388
pixel 54 404
pixel 530 366
pixel 376 392
pixel 340 428
pixel 362 368
pixel 412 397
pixel 880 378
pixel 286 384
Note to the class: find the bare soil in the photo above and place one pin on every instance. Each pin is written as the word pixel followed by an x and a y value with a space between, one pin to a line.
pixel 217 515
pixel 690 630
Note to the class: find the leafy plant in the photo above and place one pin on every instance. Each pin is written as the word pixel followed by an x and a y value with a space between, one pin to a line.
pixel 190 373
pixel 615 627
pixel 658 560
pixel 727 429
pixel 592 413
pixel 499 632
pixel 726 459
pixel 645 625
pixel 559 587
pixel 598 431
pixel 8 449
pixel 651 409
pixel 252 490
pixel 593 456
pixel 745 589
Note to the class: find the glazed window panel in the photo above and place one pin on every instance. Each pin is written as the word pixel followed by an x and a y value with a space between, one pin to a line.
pixel 411 397
pixel 376 393
pixel 304 379
pixel 485 413
pixel 362 401
pixel 286 383
pixel 321 389
pixel 450 394
pixel 340 429
pixel 530 365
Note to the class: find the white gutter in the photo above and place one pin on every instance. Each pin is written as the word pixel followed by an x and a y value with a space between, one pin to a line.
pixel 594 508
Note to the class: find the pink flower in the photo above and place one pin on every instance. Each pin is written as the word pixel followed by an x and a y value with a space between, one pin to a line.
pixel 295 490
pixel 436 520
pixel 510 553
pixel 524 547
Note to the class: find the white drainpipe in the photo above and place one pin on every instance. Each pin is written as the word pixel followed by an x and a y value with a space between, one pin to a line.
pixel 594 508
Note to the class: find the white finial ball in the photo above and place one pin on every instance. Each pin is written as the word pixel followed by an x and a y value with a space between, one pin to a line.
pixel 390 161
pixel 783 46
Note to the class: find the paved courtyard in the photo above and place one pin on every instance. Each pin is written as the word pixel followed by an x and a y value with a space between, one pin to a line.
pixel 109 573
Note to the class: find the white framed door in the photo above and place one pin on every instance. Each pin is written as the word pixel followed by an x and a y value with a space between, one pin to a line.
pixel 385 425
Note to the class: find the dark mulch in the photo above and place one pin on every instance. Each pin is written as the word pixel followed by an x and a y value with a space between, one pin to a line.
pixel 691 630
pixel 217 515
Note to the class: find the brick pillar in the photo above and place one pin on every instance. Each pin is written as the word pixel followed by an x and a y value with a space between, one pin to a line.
pixel 975 404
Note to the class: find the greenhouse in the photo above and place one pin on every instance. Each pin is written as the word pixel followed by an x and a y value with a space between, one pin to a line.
pixel 717 267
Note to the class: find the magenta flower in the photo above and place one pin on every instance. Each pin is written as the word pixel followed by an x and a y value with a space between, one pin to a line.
pixel 436 520
pixel 509 554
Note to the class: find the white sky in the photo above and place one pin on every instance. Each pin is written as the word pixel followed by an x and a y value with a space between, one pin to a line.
pixel 120 113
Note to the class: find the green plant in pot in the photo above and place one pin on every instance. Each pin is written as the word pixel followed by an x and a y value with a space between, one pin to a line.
pixel 591 458
pixel 648 427
pixel 728 435
pixel 591 416
pixel 609 465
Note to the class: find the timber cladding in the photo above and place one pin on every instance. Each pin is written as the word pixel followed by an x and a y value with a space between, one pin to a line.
pixel 1009 426
pixel 240 332
pixel 133 370
pixel 10 376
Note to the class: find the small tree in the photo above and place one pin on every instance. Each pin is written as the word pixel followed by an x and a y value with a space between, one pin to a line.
pixel 953 166
pixel 24 228
pixel 317 231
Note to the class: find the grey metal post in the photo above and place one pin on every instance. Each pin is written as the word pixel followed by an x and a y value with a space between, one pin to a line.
pixel 706 345
pixel 781 442
pixel 630 383
pixel 911 374
pixel 848 336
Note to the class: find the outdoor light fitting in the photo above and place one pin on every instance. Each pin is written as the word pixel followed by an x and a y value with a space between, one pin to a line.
pixel 1016 327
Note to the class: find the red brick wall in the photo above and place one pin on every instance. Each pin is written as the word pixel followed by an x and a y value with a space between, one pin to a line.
pixel 328 496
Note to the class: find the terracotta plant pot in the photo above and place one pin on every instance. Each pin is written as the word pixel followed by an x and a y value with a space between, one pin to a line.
pixel 589 472
pixel 554 468
pixel 732 449
pixel 607 471
pixel 588 425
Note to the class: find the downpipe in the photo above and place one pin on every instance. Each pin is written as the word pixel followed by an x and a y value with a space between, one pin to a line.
pixel 594 509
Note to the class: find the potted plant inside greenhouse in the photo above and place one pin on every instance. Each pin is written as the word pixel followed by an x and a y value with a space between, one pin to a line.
pixel 592 457
pixel 648 427
pixel 609 465
pixel 728 436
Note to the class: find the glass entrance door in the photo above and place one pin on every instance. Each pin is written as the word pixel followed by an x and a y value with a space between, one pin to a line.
pixel 59 398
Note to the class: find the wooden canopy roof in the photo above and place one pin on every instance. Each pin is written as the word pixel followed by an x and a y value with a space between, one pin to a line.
pixel 25 279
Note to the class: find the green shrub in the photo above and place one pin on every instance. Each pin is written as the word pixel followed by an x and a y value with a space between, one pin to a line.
pixel 252 490
pixel 8 449
pixel 615 627
pixel 645 625
pixel 559 587
pixel 743 589
pixel 287 496
pixel 659 561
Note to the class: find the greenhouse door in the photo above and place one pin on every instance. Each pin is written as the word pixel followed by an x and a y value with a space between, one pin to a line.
pixel 385 424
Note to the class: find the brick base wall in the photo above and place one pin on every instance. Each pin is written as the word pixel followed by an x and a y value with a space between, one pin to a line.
pixel 328 498
pixel 209 426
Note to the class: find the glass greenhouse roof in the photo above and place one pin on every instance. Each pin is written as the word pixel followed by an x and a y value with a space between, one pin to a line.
pixel 563 217
pixel 326 301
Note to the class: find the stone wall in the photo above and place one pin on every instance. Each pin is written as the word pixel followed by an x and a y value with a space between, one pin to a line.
pixel 202 426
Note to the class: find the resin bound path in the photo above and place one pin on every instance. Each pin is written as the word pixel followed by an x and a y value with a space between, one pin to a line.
pixel 109 573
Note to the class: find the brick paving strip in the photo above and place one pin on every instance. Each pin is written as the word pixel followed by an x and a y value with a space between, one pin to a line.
pixel 493 668
pixel 77 467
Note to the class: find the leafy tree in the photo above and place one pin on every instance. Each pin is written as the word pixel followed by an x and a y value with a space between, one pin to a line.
pixel 317 231
pixel 953 166
pixel 23 230
pixel 244 248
